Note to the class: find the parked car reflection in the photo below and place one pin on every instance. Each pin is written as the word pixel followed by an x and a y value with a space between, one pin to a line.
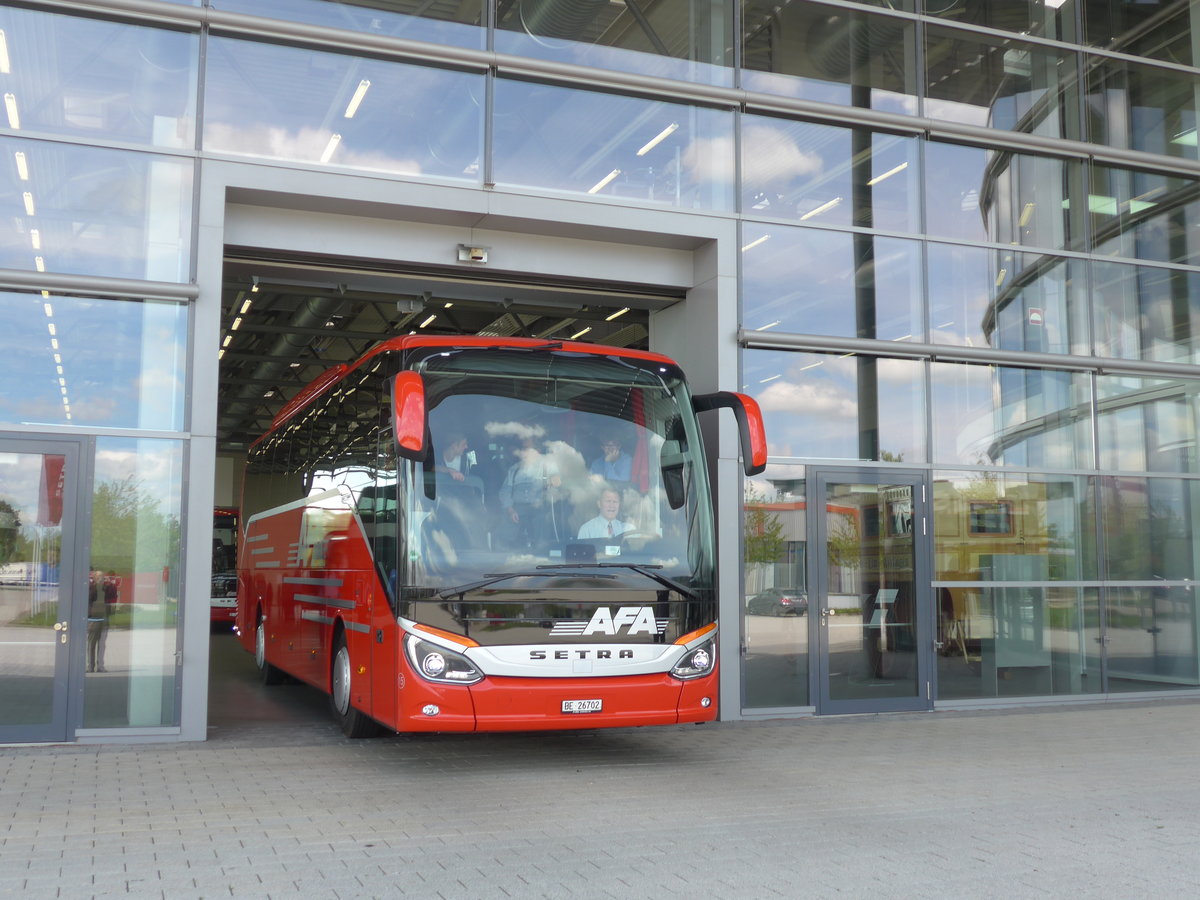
pixel 778 602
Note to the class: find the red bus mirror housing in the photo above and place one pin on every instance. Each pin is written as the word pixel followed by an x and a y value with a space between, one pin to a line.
pixel 750 425
pixel 408 414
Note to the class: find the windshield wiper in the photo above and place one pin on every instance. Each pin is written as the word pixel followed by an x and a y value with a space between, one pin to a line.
pixel 645 571
pixel 447 593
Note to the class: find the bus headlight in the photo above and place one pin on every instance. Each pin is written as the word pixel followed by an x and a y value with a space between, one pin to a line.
pixel 697 662
pixel 434 663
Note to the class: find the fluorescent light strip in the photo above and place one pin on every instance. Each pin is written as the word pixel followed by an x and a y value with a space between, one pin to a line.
pixel 10 107
pixel 48 310
pixel 753 244
pixel 39 263
pixel 617 314
pixel 603 182
pixel 824 207
pixel 245 307
pixel 5 62
pixel 28 198
pixel 22 165
pixel 35 238
pixel 577 335
pixel 237 323
pixel 428 321
pixel 888 174
pixel 769 325
pixel 331 147
pixel 357 99
pixel 658 138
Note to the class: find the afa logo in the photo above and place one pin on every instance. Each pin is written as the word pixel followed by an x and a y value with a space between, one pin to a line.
pixel 637 619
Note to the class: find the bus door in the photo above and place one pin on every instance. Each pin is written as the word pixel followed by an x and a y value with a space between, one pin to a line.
pixel 872 599
pixel 43 598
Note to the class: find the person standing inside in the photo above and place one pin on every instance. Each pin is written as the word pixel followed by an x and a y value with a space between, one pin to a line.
pixel 97 620
pixel 614 464
pixel 527 494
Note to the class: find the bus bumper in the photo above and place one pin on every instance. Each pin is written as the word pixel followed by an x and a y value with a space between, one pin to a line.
pixel 537 704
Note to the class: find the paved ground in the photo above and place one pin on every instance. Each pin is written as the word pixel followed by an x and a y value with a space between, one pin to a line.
pixel 1093 801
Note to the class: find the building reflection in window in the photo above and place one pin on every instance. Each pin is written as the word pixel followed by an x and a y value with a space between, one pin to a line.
pixel 830 54
pixel 134 378
pixel 454 22
pixel 985 415
pixel 328 109
pixel 134 584
pixel 839 407
pixel 775 590
pixel 609 145
pixel 667 39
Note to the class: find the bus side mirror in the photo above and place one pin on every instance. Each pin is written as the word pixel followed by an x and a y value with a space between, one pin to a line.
pixel 750 425
pixel 408 415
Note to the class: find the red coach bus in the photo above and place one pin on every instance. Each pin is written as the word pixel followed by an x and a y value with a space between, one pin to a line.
pixel 488 534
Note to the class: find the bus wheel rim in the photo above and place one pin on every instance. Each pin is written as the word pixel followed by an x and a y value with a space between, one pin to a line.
pixel 260 646
pixel 341 680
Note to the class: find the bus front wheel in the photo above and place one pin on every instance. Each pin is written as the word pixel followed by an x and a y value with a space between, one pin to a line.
pixel 267 673
pixel 354 723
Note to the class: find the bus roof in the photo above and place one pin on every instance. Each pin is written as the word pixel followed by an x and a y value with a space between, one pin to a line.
pixel 323 382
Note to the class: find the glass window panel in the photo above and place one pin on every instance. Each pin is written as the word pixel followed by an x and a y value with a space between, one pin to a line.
pixel 1037 524
pixel 678 39
pixel 58 370
pixel 838 407
pixel 1018 642
pixel 775 590
pixel 1049 20
pixel 976 194
pixel 981 297
pixel 134 584
pixel 1144 215
pixel 1156 29
pixel 1149 528
pixel 323 108
pixel 1144 312
pixel 989 415
pixel 1142 108
pixel 829 176
pixel 830 54
pixel 830 282
pixel 1152 637
pixel 609 145
pixel 99 79
pixel 453 22
pixel 1148 424
pixel 81 210
pixel 1000 83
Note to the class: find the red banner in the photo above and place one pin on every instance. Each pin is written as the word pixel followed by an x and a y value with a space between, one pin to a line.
pixel 50 494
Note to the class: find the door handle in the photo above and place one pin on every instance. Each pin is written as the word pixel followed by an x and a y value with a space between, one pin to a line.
pixel 61 628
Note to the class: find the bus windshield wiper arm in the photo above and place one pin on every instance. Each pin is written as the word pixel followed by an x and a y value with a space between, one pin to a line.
pixel 447 593
pixel 647 571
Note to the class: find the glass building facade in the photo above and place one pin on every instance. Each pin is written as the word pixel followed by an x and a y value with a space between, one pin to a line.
pixel 952 249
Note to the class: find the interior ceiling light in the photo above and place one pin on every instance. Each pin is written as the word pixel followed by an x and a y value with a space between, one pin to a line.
pixel 618 313
pixel 39 263
pixel 5 62
pixel 22 165
pixel 27 197
pixel 824 207
pixel 577 335
pixel 10 107
pixel 35 238
pixel 888 174
pixel 427 321
pixel 658 138
pixel 357 99
pixel 245 307
pixel 331 147
pixel 604 182
pixel 753 244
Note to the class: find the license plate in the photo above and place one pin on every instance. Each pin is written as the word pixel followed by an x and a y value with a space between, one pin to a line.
pixel 582 706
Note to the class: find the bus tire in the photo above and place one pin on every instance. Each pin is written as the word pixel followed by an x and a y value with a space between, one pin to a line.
pixel 353 722
pixel 267 673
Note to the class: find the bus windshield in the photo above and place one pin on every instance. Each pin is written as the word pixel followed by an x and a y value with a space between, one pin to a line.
pixel 545 458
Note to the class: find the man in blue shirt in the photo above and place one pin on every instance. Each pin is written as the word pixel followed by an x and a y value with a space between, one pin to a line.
pixel 615 464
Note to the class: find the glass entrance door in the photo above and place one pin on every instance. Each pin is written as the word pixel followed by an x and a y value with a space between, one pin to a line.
pixel 41 619
pixel 872 599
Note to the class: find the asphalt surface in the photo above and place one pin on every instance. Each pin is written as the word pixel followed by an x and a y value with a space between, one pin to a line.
pixel 1098 800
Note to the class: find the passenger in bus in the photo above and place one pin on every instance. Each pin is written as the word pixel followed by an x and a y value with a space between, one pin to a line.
pixel 607 523
pixel 614 464
pixel 529 493
pixel 456 460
